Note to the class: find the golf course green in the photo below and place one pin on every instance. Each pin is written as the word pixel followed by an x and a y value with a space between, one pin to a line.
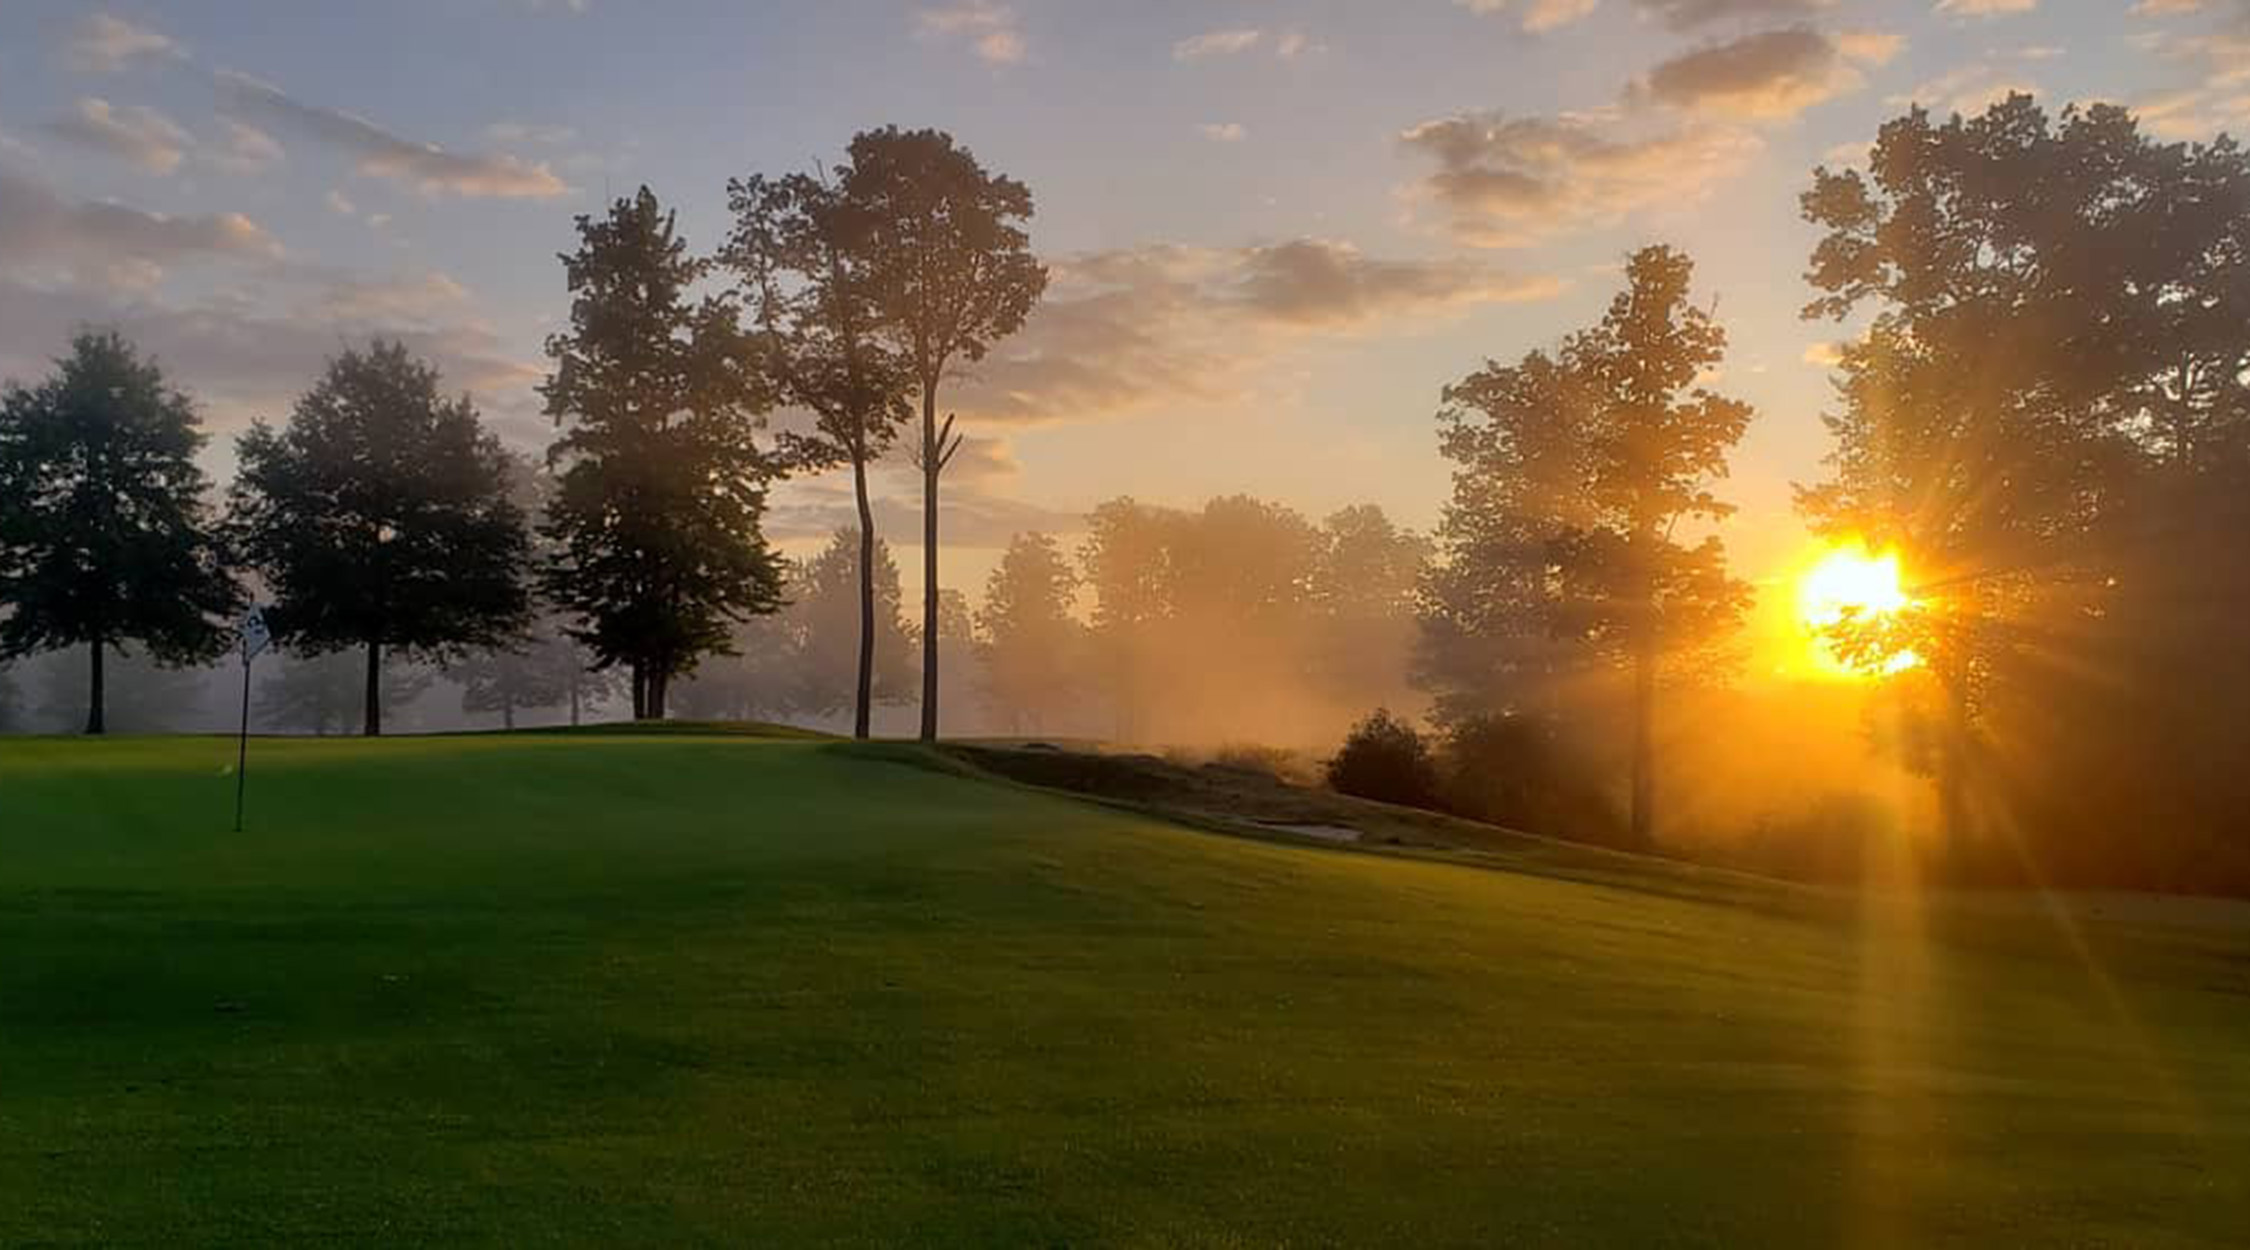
pixel 619 989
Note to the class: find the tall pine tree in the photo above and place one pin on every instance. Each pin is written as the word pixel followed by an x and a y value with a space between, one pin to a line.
pixel 661 484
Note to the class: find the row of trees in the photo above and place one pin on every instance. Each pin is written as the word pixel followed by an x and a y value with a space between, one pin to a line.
pixel 2049 414
pixel 1241 620
pixel 383 517
pixel 2045 410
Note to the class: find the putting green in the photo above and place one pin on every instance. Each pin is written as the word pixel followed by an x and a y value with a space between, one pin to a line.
pixel 619 989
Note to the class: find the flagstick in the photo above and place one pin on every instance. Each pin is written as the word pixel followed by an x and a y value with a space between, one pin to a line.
pixel 242 747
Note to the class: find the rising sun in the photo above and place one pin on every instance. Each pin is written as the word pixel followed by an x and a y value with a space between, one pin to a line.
pixel 1851 581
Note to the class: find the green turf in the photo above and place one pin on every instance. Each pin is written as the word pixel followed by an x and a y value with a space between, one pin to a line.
pixel 681 990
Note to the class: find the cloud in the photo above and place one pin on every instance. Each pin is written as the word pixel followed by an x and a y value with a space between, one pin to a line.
pixel 1967 89
pixel 430 169
pixel 1216 43
pixel 1679 15
pixel 1538 15
pixel 1513 181
pixel 1694 14
pixel 527 132
pixel 1878 47
pixel 2217 64
pixel 142 136
pixel 1824 355
pixel 1224 132
pixel 1317 282
pixel 1984 8
pixel 1770 76
pixel 973 516
pixel 42 232
pixel 248 149
pixel 244 360
pixel 101 44
pixel 991 29
pixel 1166 323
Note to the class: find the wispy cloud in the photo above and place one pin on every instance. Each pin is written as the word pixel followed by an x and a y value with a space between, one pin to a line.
pixel 990 29
pixel 1504 181
pixel 102 44
pixel 142 136
pixel 378 153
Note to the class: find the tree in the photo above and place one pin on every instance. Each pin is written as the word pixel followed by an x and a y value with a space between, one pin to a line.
pixel 104 534
pixel 322 694
pixel 828 605
pixel 950 272
pixel 1385 759
pixel 764 677
pixel 1364 593
pixel 1127 557
pixel 1591 461
pixel 802 248
pixel 1033 645
pixel 662 484
pixel 533 672
pixel 380 518
pixel 2047 416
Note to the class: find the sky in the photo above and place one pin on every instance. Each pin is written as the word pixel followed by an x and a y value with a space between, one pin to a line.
pixel 1277 229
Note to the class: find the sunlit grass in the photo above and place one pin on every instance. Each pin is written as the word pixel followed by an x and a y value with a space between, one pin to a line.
pixel 681 990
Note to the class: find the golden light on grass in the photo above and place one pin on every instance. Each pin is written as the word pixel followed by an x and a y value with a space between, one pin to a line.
pixel 1850 582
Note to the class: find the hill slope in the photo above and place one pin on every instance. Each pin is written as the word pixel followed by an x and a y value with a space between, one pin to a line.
pixel 684 989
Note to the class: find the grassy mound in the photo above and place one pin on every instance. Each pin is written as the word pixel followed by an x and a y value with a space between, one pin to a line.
pixel 661 989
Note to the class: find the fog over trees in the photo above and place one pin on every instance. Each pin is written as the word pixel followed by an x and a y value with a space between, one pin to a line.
pixel 2041 419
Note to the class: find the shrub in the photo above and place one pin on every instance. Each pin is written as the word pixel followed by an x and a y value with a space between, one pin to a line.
pixel 1386 760
pixel 1519 771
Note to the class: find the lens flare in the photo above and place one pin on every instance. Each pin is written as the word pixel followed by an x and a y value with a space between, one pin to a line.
pixel 1850 581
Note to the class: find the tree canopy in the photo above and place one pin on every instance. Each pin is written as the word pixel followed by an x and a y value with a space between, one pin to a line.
pixel 380 517
pixel 105 533
pixel 659 395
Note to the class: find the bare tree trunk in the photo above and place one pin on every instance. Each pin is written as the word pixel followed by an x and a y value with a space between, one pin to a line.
pixel 930 454
pixel 507 713
pixel 97 693
pixel 864 704
pixel 575 674
pixel 640 692
pixel 374 696
pixel 658 688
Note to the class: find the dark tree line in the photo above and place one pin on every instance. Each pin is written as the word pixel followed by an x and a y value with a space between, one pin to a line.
pixel 382 517
pixel 2049 415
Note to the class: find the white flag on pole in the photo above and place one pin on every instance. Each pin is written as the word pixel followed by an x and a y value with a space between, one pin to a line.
pixel 255 636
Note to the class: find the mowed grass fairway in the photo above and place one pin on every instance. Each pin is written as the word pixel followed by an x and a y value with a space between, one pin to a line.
pixel 706 990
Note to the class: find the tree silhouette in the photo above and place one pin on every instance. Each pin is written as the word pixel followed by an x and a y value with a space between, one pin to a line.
pixel 1575 473
pixel 1365 594
pixel 536 671
pixel 380 518
pixel 802 248
pixel 321 694
pixel 104 534
pixel 1033 645
pixel 1127 558
pixel 661 483
pixel 2048 416
pixel 950 272
pixel 828 605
